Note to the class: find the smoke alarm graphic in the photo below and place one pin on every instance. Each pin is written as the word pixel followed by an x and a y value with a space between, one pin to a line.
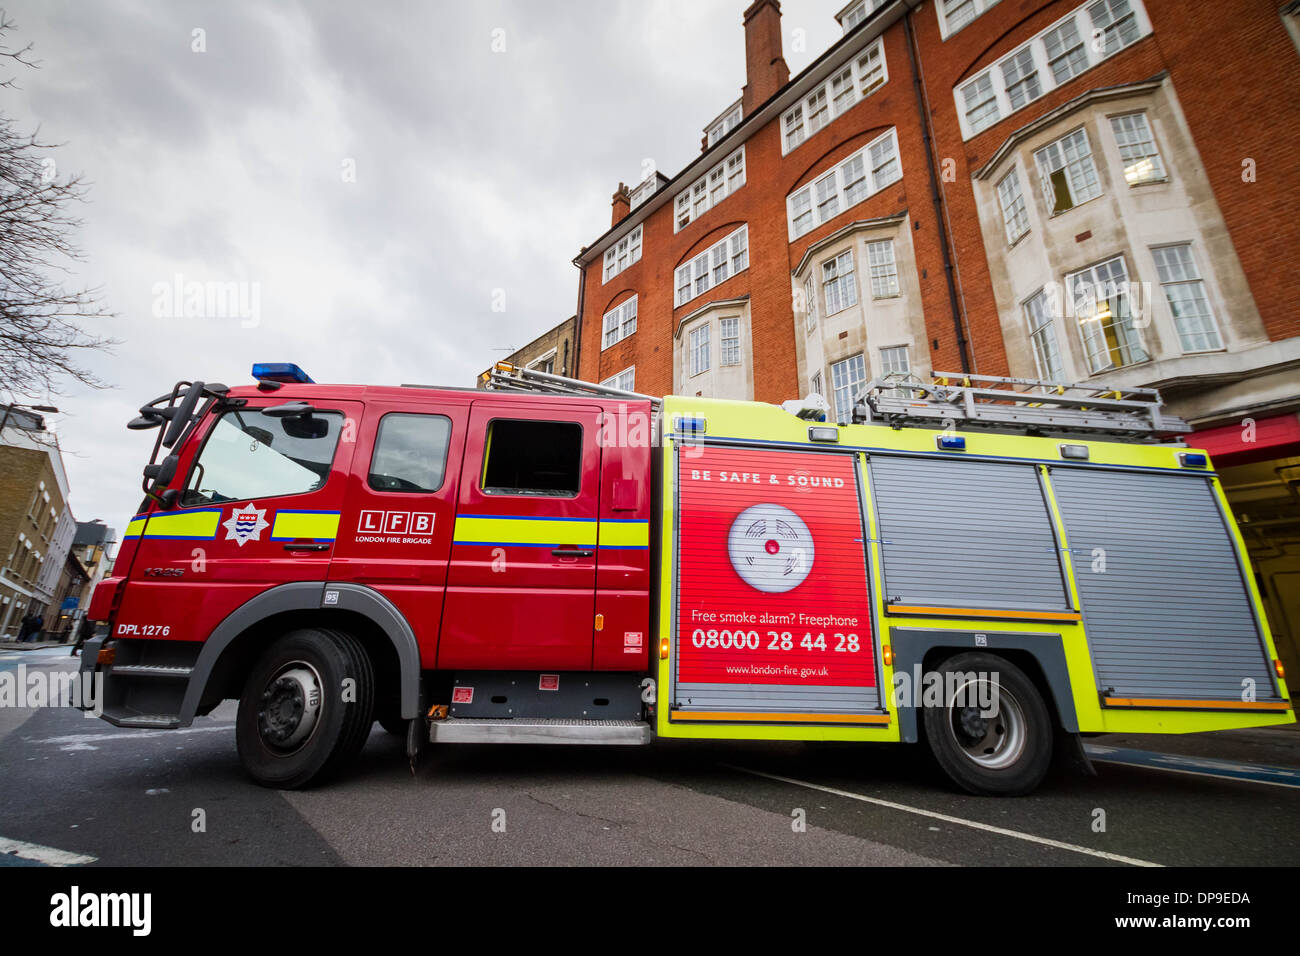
pixel 771 548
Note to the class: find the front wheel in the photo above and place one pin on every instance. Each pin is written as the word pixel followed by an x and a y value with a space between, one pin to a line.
pixel 306 709
pixel 993 734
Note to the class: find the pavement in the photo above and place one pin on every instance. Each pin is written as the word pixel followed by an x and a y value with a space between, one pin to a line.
pixel 76 791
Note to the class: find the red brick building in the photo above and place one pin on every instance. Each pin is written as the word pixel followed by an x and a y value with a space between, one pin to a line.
pixel 1081 190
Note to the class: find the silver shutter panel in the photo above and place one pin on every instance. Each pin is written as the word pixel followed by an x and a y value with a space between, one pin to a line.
pixel 1170 615
pixel 966 533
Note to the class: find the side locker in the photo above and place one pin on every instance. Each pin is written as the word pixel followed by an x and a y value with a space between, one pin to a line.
pixel 522 579
pixel 1167 611
pixel 773 610
pixel 622 636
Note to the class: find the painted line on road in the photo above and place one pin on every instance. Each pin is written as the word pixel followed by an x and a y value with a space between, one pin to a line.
pixel 47 855
pixel 131 735
pixel 959 821
pixel 1196 766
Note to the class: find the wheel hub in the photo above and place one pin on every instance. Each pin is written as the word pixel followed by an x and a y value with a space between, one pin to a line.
pixel 993 740
pixel 289 709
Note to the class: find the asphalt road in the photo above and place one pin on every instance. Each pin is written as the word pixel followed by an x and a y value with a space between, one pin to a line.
pixel 76 790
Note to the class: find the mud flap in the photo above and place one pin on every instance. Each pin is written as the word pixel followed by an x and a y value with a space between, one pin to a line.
pixel 417 733
pixel 1069 755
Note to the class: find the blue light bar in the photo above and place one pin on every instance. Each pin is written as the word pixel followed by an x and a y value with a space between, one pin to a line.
pixel 285 372
pixel 689 425
pixel 950 442
pixel 1193 459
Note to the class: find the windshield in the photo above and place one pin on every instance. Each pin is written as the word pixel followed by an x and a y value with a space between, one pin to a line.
pixel 252 455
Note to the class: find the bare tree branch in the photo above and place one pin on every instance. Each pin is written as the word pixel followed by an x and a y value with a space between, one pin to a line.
pixel 43 341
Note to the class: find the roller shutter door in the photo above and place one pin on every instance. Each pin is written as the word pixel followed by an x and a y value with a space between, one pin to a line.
pixel 966 534
pixel 1170 615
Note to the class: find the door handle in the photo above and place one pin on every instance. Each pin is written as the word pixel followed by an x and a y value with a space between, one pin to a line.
pixel 306 547
pixel 572 552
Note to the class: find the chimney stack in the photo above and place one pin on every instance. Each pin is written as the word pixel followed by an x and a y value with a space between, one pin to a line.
pixel 622 205
pixel 765 68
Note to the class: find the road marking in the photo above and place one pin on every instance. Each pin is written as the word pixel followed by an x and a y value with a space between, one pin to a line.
pixel 132 735
pixel 973 824
pixel 43 854
pixel 1197 766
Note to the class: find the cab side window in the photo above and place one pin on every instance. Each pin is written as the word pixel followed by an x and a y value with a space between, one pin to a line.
pixel 410 453
pixel 533 458
pixel 251 455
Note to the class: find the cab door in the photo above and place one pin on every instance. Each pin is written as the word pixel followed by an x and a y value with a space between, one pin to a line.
pixel 401 509
pixel 260 500
pixel 521 584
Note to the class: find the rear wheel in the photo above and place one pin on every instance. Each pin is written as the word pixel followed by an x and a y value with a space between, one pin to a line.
pixel 993 734
pixel 306 709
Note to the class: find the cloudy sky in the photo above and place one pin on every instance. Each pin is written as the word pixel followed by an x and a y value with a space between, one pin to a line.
pixel 375 172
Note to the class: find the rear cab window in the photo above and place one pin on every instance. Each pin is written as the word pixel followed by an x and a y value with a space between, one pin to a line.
pixel 410 453
pixel 533 457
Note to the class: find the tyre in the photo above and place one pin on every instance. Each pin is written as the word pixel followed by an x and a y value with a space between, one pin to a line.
pixel 394 725
pixel 1005 753
pixel 307 708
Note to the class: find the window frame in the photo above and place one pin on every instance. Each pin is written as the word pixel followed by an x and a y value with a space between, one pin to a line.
pixel 799 117
pixel 838 174
pixel 980 7
pixel 612 381
pixel 895 349
pixel 1046 323
pixel 844 362
pixel 709 273
pixel 1163 175
pixel 374 449
pixel 1019 198
pixel 1082 23
pixel 723 338
pixel 810 302
pixel 632 241
pixel 1197 279
pixel 1049 194
pixel 551 356
pixel 724 124
pixel 893 261
pixel 620 325
pixel 694 349
pixel 843 279
pixel 1137 343
pixel 699 197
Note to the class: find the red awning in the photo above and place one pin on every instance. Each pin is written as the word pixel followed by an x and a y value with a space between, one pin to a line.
pixel 1249 440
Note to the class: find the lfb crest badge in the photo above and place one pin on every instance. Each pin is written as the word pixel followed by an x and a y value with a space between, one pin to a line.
pixel 245 524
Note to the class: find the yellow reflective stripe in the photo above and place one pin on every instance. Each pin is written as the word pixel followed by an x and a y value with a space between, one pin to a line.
pixel 183 524
pixel 134 527
pixel 625 534
pixel 472 529
pixel 320 525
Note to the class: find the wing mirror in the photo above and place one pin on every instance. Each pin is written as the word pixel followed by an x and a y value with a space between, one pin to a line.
pixel 164 471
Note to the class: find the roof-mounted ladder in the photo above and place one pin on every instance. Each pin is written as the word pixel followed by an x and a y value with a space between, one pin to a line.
pixel 1018 404
pixel 512 378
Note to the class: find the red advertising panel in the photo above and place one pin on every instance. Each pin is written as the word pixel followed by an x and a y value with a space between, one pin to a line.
pixel 772 574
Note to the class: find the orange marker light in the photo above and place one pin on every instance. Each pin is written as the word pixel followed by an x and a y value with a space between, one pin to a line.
pixel 1281 671
pixel 663 649
pixel 887 654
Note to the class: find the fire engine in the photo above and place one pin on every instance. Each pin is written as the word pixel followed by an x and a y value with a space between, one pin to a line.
pixel 996 567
